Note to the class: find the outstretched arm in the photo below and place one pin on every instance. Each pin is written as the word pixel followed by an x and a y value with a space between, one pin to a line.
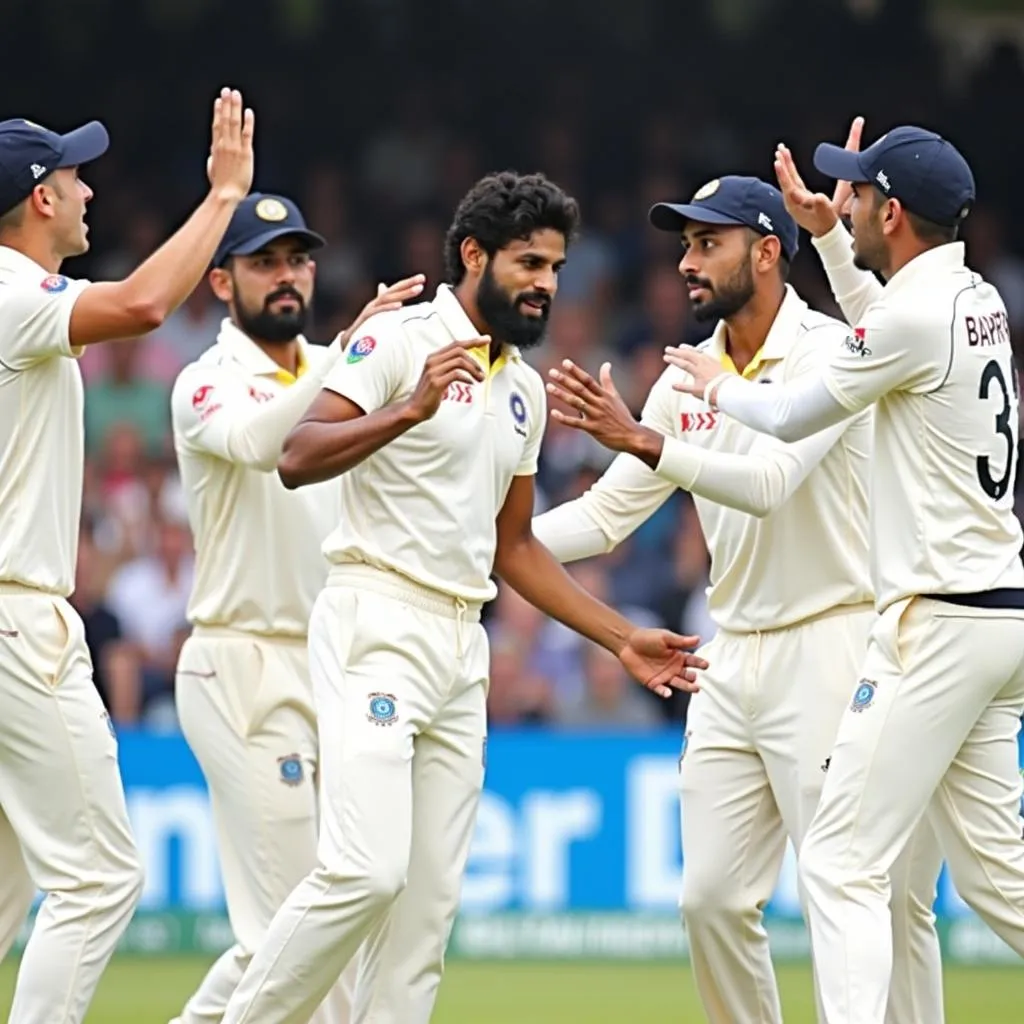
pixel 657 658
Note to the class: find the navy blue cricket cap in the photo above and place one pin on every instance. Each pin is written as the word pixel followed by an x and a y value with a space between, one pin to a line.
pixel 734 199
pixel 29 152
pixel 258 220
pixel 927 174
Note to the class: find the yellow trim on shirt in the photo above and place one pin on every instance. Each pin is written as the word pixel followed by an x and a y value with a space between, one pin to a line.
pixel 282 376
pixel 749 370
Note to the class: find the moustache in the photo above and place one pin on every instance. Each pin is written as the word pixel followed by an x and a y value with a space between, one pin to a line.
pixel 692 281
pixel 284 293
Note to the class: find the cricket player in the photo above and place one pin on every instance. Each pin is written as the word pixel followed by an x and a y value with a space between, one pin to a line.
pixel 786 526
pixel 433 423
pixel 63 822
pixel 931 727
pixel 243 693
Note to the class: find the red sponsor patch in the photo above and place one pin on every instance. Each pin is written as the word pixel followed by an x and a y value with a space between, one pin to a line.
pixel 260 396
pixel 698 420
pixel 201 396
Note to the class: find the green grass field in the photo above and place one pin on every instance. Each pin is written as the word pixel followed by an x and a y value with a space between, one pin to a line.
pixel 151 991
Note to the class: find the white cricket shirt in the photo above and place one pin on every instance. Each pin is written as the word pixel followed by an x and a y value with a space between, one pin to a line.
pixel 42 432
pixel 258 561
pixel 425 505
pixel 932 348
pixel 786 524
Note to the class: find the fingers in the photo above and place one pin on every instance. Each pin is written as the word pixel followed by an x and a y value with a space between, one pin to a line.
pixel 248 127
pixel 605 375
pixel 577 376
pixel 234 112
pixel 381 288
pixel 451 359
pixel 680 357
pixel 577 422
pixel 681 643
pixel 217 127
pixel 856 130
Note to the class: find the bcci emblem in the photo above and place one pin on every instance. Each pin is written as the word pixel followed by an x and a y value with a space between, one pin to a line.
pixel 518 409
pixel 271 209
pixel 863 695
pixel 382 709
pixel 291 769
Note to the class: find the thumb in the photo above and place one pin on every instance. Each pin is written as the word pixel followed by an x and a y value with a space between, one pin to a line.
pixel 681 643
pixel 605 376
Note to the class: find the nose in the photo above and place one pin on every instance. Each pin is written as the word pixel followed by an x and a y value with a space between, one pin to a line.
pixel 689 264
pixel 546 282
pixel 87 192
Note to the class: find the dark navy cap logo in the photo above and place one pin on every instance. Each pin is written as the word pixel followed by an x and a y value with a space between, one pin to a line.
pixel 259 220
pixel 924 171
pixel 733 199
pixel 29 152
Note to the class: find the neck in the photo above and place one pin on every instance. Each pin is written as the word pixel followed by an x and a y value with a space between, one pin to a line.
pixel 901 255
pixel 38 248
pixel 467 300
pixel 745 331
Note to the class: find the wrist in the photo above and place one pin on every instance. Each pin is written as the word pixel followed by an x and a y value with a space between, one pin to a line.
pixel 711 390
pixel 410 414
pixel 226 195
pixel 646 445
pixel 826 226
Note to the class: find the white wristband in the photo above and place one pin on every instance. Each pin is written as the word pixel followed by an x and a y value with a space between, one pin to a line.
pixel 712 387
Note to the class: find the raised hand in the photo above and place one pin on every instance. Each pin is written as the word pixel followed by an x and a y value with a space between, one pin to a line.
pixel 230 165
pixel 662 660
pixel 600 410
pixel 702 368
pixel 814 211
pixel 388 298
pixel 449 365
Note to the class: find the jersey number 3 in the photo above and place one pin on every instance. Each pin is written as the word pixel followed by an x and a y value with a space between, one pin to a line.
pixel 1006 427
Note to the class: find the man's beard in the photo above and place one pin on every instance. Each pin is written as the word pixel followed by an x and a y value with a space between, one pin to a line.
pixel 726 300
pixel 502 316
pixel 271 327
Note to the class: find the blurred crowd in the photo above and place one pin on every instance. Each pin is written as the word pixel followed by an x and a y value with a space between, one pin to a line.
pixel 620 137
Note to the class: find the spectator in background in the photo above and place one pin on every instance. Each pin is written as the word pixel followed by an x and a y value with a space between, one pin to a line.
pixel 609 699
pixel 149 596
pixel 116 668
pixel 189 330
pixel 518 694
pixel 124 395
pixel 985 236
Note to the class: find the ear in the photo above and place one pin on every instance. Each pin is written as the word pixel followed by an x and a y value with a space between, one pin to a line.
pixel 221 284
pixel 474 259
pixel 41 200
pixel 769 252
pixel 893 215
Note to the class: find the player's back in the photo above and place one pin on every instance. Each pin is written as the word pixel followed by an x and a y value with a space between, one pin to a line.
pixel 425 504
pixel 946 440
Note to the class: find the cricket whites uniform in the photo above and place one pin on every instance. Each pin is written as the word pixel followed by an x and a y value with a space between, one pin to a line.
pixel 243 691
pixel 400 667
pixel 63 821
pixel 934 722
pixel 786 526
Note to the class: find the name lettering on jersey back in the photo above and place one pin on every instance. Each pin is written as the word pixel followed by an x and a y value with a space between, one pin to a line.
pixel 698 420
pixel 987 330
pixel 458 391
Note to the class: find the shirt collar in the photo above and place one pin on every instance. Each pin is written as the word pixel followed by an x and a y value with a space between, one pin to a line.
pixel 460 327
pixel 781 336
pixel 948 257
pixel 19 263
pixel 245 351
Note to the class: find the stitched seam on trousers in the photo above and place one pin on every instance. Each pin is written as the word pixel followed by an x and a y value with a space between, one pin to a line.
pixel 980 861
pixel 768 794
pixel 325 886
pixel 908 854
pixel 91 915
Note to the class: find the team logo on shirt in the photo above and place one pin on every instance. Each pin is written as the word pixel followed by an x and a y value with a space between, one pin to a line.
pixel 383 709
pixel 54 283
pixel 518 409
pixel 291 770
pixel 360 349
pixel 864 695
pixel 855 343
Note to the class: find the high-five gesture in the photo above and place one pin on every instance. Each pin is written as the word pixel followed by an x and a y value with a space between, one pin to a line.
pixel 230 165
pixel 814 211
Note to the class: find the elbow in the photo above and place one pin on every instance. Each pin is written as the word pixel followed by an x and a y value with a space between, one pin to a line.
pixel 790 433
pixel 147 315
pixel 291 471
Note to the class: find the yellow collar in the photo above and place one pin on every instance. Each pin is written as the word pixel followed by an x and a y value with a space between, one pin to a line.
pixel 461 328
pixel 244 350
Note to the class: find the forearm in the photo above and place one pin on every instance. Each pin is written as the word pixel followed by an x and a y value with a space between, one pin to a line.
pixel 257 439
pixel 317 451
pixel 532 571
pixel 854 289
pixel 789 412
pixel 570 533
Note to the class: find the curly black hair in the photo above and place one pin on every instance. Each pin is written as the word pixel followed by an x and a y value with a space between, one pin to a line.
pixel 503 207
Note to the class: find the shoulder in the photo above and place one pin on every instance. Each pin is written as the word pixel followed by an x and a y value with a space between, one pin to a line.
pixel 200 384
pixel 819 337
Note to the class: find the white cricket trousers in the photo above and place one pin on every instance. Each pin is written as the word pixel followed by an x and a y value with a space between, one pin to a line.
pixel 245 703
pixel 63 821
pixel 931 733
pixel 759 737
pixel 400 679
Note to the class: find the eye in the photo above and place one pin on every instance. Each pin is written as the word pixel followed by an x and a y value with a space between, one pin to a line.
pixel 299 260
